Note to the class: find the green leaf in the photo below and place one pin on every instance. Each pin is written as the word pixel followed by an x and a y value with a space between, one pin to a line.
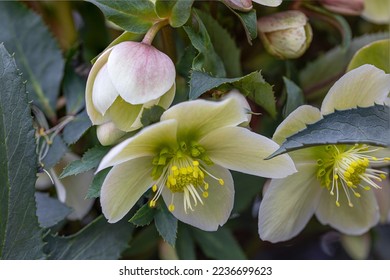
pixel 74 90
pixel 207 59
pixel 249 22
pixel 252 85
pixel 144 242
pixel 370 125
pixel 376 53
pixel 220 245
pixel 90 160
pixel 246 188
pixel 50 211
pixel 166 224
pixel 20 234
pixel 177 11
pixel 36 53
pixel 319 75
pixel 228 50
pixel 294 97
pixel 97 182
pixel 76 128
pixel 151 115
pixel 97 241
pixel 144 216
pixel 134 16
pixel 185 243
pixel 57 150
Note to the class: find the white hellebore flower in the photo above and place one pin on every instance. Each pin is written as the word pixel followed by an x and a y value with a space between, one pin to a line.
pixel 123 81
pixel 246 5
pixel 185 159
pixel 333 182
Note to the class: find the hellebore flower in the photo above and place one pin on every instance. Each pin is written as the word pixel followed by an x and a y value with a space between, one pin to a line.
pixel 377 11
pixel 123 81
pixel 334 181
pixel 286 34
pixel 185 159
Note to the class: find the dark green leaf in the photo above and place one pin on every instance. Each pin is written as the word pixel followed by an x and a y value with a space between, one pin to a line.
pixel 57 150
pixel 145 242
pixel 249 22
pixel 370 125
pixel 317 77
pixel 246 188
pixel 134 16
pixel 207 60
pixel 20 234
pixel 144 216
pixel 50 211
pixel 185 243
pixel 252 85
pixel 151 115
pixel 74 91
pixel 382 242
pixel 177 11
pixel 97 241
pixel 294 97
pixel 37 54
pixel 220 245
pixel 224 45
pixel 166 224
pixel 90 160
pixel 96 185
pixel 76 128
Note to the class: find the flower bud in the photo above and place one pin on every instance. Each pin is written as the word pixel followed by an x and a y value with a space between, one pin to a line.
pixel 344 7
pixel 241 5
pixel 285 34
pixel 377 11
pixel 124 80
pixel 270 3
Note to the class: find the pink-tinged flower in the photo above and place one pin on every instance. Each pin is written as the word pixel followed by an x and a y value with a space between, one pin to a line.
pixel 185 160
pixel 246 5
pixel 344 7
pixel 285 35
pixel 333 182
pixel 126 79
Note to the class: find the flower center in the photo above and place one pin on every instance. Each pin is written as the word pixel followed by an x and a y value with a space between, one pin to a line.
pixel 347 169
pixel 182 172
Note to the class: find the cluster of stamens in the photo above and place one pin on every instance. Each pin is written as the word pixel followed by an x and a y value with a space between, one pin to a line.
pixel 182 172
pixel 348 170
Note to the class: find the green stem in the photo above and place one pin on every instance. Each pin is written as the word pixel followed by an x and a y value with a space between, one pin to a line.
pixel 152 32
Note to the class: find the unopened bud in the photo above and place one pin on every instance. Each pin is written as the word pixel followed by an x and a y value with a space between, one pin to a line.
pixel 241 5
pixel 344 7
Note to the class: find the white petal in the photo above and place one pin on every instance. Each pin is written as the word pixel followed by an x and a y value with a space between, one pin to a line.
pixel 73 189
pixel 216 208
pixel 103 92
pixel 363 87
pixel 270 3
pixel 124 114
pixel 123 186
pixel 358 247
pixel 354 220
pixel 239 149
pixel 243 102
pixel 145 143
pixel 166 100
pixel 296 121
pixel 109 134
pixel 289 204
pixel 140 72
pixel 199 117
pixel 383 198
pixel 93 113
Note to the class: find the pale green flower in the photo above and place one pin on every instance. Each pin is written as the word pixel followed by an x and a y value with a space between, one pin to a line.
pixel 333 181
pixel 377 11
pixel 185 159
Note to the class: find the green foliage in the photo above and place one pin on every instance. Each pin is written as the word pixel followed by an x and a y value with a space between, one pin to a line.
pixel 151 115
pixel 36 53
pixel 376 53
pixel 220 245
pixel 20 234
pixel 50 211
pixel 295 97
pixel 144 216
pixel 166 224
pixel 249 23
pixel 90 160
pixel 97 241
pixel 135 16
pixel 76 128
pixel 176 11
pixel 97 182
pixel 185 243
pixel 362 125
pixel 57 150
pixel 252 85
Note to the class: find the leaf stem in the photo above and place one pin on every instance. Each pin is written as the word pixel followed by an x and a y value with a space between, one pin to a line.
pixel 152 32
